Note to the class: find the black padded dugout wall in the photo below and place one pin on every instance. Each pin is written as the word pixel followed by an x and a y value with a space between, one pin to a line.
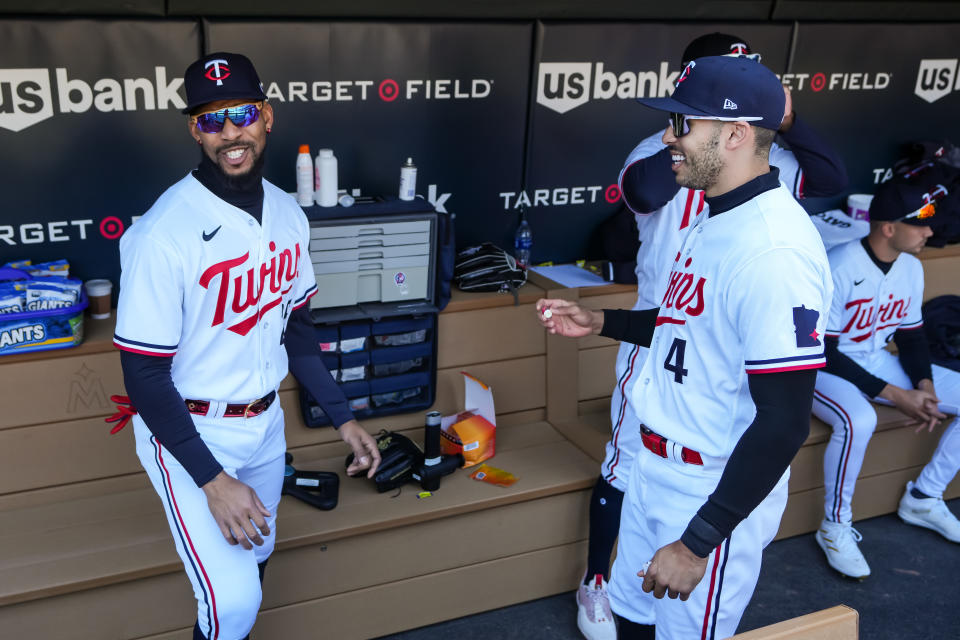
pixel 453 96
pixel 870 87
pixel 90 133
pixel 586 120
pixel 90 130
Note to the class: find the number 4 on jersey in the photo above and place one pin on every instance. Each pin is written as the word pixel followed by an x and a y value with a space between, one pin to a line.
pixel 674 361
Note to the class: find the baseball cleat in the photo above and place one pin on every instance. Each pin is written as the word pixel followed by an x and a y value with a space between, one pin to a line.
pixel 594 617
pixel 931 513
pixel 839 542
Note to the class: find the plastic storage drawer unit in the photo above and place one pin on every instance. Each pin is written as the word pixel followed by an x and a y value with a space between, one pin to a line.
pixel 372 260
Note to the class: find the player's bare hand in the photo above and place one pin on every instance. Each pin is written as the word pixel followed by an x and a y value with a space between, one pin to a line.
pixel 566 318
pixel 364 446
pixel 930 404
pixel 238 511
pixel 787 111
pixel 674 571
pixel 919 404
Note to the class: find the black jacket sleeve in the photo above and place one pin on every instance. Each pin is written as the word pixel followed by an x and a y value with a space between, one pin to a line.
pixel 764 452
pixel 635 327
pixel 306 365
pixel 840 364
pixel 824 171
pixel 649 183
pixel 914 354
pixel 151 391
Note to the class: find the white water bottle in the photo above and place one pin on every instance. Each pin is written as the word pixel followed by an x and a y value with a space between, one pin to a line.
pixel 326 178
pixel 408 180
pixel 304 177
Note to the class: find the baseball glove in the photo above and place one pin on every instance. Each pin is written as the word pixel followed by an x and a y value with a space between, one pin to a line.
pixel 399 457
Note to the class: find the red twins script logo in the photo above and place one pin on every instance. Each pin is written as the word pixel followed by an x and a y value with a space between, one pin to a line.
pixel 682 293
pixel 865 314
pixel 273 276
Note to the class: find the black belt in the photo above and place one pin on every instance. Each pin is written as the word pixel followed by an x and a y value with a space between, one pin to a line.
pixel 238 410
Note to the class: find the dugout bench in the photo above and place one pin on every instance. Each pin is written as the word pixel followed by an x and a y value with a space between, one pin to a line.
pixel 85 551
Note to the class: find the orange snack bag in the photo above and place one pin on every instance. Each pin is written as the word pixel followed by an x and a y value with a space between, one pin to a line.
pixel 486 473
pixel 472 435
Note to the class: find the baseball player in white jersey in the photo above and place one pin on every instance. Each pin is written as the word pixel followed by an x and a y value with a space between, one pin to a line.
pixel 212 314
pixel 665 212
pixel 734 347
pixel 878 290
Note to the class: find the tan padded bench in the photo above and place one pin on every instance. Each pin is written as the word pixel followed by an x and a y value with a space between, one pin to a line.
pixel 86 552
pixel 836 623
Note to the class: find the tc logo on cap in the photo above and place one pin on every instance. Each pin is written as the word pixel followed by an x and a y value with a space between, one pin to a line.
pixel 217 70
pixel 686 72
pixel 935 194
pixel 739 49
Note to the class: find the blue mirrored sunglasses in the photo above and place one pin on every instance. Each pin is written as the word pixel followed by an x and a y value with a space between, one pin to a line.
pixel 242 116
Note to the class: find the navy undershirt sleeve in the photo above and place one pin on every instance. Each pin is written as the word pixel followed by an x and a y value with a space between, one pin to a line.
pixel 914 354
pixel 649 183
pixel 635 327
pixel 306 365
pixel 824 171
pixel 840 364
pixel 764 452
pixel 151 391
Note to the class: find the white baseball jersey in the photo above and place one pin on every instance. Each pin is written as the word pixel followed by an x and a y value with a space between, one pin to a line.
pixel 202 282
pixel 748 293
pixel 661 234
pixel 868 305
pixel 662 231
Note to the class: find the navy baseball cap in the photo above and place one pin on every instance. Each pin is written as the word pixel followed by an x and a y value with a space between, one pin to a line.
pixel 900 200
pixel 221 76
pixel 726 88
pixel 717 44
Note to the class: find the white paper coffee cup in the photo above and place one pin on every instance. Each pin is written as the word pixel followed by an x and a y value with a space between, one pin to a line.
pixel 98 292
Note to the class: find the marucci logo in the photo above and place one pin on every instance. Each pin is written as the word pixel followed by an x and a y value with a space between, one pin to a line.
pixel 562 86
pixel 388 90
pixel 936 79
pixel 27 97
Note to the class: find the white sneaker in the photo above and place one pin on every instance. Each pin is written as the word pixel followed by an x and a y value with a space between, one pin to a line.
pixel 594 618
pixel 839 541
pixel 931 513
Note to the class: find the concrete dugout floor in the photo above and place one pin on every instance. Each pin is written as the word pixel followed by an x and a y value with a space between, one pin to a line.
pixel 913 592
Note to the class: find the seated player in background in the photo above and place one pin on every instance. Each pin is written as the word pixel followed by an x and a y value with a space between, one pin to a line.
pixel 878 290
pixel 665 213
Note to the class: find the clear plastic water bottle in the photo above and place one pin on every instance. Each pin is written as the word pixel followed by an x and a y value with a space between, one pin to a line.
pixel 523 243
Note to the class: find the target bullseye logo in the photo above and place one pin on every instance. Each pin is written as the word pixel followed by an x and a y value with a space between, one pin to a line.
pixel 111 228
pixel 818 81
pixel 389 90
pixel 612 194
pixel 217 70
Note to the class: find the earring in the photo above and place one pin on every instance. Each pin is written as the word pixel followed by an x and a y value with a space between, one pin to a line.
pixel 268 129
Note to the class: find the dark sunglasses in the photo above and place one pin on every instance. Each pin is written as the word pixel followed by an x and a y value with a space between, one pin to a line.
pixel 241 116
pixel 681 122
